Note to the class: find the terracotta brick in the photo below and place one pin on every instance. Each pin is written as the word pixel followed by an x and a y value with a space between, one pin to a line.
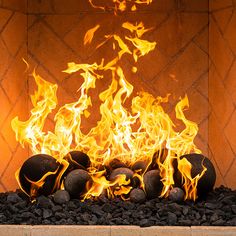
pixel 222 17
pixel 202 40
pixel 2 188
pixel 4 17
pixel 4 64
pixel 20 109
pixel 219 51
pixel 219 4
pixel 40 6
pixel 223 156
pixel 5 156
pixel 49 50
pixel 17 160
pixel 179 76
pixel 178 30
pixel 230 131
pixel 195 5
pixel 5 106
pixel 72 6
pixel 202 84
pixel 219 98
pixel 63 24
pixel 15 32
pixel 15 79
pixel 230 176
pixel 201 139
pixel 160 6
pixel 230 34
pixel 199 109
pixel 17 5
pixel 230 83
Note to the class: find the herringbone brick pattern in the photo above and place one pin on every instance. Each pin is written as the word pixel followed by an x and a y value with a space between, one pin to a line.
pixel 222 88
pixel 13 87
pixel 178 66
pixel 54 31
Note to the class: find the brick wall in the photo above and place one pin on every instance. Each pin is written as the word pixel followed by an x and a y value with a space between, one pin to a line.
pixel 54 31
pixel 13 86
pixel 222 89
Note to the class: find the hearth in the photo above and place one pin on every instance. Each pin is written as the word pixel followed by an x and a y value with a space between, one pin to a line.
pixel 121 113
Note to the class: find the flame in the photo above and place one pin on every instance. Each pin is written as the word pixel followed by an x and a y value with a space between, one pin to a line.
pixel 89 34
pixel 190 184
pixel 120 5
pixel 128 134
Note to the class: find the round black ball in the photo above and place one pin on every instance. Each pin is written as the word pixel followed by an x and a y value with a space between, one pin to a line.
pixel 137 195
pixel 152 184
pixel 34 169
pixel 75 182
pixel 121 171
pixel 207 181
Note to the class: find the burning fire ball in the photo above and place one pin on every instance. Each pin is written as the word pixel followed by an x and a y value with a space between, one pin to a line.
pixel 38 175
pixel 77 160
pixel 199 162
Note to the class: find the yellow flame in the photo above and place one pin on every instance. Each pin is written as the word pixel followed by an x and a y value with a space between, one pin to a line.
pixel 89 34
pixel 120 5
pixel 189 183
pixel 128 134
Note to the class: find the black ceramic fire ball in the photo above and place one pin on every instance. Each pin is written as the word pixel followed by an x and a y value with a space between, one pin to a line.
pixel 121 171
pixel 152 184
pixel 34 169
pixel 207 181
pixel 75 182
pixel 77 160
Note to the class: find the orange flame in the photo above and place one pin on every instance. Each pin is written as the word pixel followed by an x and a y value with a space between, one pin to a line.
pixel 129 135
pixel 89 34
pixel 121 5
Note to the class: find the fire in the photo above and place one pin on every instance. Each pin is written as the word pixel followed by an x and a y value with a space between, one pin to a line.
pixel 129 135
pixel 120 5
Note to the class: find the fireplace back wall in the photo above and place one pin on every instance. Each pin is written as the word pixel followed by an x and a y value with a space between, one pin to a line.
pixel 194 56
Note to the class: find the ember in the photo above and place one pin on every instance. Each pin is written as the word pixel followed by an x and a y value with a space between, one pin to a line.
pixel 132 152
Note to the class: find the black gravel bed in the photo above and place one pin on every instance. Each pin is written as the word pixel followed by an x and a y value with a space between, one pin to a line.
pixel 217 209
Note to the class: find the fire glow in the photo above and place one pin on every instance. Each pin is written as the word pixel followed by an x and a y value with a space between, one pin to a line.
pixel 127 134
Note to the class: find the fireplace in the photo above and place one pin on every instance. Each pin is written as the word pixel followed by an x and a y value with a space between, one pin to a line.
pixel 194 55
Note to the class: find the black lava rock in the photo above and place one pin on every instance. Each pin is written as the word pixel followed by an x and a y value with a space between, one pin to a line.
pixel 216 209
pixel 61 196
pixel 75 182
pixel 152 184
pixel 137 195
pixel 207 182
pixel 139 166
pixel 13 198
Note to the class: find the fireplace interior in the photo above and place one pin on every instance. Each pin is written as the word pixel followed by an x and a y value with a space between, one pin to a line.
pixel 191 53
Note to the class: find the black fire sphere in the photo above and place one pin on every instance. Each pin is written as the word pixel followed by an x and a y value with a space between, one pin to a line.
pixel 144 208
pixel 218 208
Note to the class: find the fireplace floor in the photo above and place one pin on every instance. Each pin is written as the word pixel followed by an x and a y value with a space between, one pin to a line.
pixel 218 209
